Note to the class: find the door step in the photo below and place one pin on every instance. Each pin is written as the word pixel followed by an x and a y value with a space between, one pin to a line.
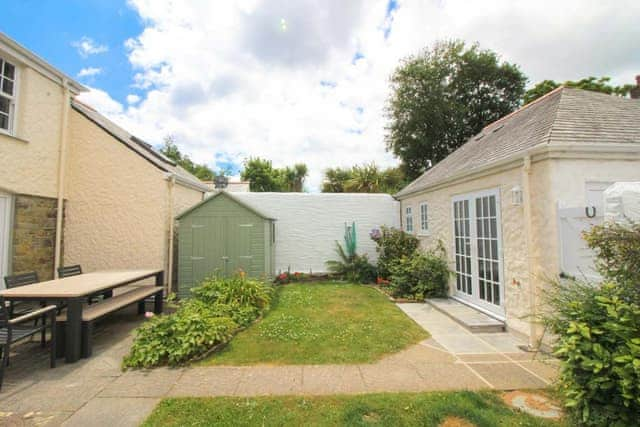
pixel 470 318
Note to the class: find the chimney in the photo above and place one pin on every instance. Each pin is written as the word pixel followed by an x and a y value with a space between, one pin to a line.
pixel 635 92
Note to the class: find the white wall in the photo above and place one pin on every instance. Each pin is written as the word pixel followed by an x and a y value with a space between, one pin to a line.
pixel 308 225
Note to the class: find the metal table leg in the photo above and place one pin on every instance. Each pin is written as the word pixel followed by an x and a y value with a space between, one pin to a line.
pixel 73 331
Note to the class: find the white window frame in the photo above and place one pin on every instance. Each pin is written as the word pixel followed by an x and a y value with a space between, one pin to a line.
pixel 408 219
pixel 13 98
pixel 424 218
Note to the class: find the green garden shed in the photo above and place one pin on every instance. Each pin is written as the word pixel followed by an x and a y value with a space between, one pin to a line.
pixel 222 235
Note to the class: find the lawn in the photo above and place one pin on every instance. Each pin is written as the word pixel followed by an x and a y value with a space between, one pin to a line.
pixel 390 409
pixel 319 323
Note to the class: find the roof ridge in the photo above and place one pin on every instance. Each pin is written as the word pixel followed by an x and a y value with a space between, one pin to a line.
pixel 525 106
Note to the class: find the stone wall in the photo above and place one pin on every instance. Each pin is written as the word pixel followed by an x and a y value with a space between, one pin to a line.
pixel 34 235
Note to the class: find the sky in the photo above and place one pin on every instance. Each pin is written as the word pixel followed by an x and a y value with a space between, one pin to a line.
pixel 298 81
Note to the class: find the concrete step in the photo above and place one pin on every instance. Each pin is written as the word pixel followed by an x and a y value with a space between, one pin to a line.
pixel 472 319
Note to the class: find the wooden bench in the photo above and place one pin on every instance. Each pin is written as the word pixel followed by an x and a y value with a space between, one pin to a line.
pixel 93 312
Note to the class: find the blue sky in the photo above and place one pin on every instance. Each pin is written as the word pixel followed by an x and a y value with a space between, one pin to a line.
pixel 54 28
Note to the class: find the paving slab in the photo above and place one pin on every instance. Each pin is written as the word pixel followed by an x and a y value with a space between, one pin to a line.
pixel 112 412
pixel 208 381
pixel 507 376
pixel 143 383
pixel 332 379
pixel 464 343
pixel 503 341
pixel 546 369
pixel 391 377
pixel 484 357
pixel 267 380
pixel 420 354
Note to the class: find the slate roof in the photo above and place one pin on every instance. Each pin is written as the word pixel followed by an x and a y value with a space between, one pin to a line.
pixel 139 146
pixel 564 115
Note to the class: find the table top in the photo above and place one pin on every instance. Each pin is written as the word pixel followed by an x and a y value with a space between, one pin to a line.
pixel 78 286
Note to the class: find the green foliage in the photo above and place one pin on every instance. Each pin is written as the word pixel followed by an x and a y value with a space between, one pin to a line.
pixel 200 171
pixel 443 96
pixel 392 244
pixel 264 177
pixel 176 338
pixel 598 343
pixel 212 317
pixel 367 178
pixel 353 268
pixel 421 275
pixel 590 83
pixel 618 249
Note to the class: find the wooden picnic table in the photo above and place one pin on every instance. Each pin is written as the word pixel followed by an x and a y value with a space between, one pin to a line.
pixel 74 291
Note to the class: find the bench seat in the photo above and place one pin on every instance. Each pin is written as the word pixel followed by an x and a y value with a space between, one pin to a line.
pixel 93 312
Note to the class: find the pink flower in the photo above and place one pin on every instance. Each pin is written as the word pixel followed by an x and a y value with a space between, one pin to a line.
pixel 149 314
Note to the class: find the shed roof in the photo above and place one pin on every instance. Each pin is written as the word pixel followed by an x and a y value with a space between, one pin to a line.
pixel 140 147
pixel 231 196
pixel 565 115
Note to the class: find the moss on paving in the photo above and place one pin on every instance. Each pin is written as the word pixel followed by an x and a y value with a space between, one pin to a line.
pixel 483 409
pixel 323 323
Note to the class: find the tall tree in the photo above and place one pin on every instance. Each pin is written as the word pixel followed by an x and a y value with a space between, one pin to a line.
pixel 589 83
pixel 443 96
pixel 262 176
pixel 200 171
pixel 367 178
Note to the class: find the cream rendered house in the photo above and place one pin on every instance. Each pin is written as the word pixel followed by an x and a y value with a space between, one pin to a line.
pixel 509 204
pixel 74 187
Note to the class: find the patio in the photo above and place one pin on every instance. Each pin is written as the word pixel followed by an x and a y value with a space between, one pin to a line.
pixel 95 391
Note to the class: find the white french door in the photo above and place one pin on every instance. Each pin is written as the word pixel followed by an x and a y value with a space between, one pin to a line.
pixel 5 219
pixel 478 249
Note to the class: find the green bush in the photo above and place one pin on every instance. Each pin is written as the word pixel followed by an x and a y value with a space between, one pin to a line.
pixel 219 307
pixel 353 268
pixel 617 247
pixel 420 275
pixel 392 245
pixel 176 338
pixel 598 331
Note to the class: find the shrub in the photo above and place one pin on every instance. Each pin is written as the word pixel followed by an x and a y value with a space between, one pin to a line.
pixel 353 268
pixel 219 307
pixel 598 331
pixel 176 338
pixel 420 275
pixel 288 277
pixel 617 247
pixel 392 244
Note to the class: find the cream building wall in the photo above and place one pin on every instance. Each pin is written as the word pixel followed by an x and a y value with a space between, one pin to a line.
pixel 30 158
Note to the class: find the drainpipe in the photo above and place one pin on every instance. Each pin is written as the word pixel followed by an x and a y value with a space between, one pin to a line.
pixel 526 184
pixel 172 182
pixel 62 157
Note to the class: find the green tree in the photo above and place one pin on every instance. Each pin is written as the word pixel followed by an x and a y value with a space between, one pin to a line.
pixel 200 171
pixel 264 177
pixel 443 96
pixel 367 178
pixel 589 83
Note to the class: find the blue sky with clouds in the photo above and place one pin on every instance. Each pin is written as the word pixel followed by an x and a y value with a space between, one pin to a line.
pixel 298 81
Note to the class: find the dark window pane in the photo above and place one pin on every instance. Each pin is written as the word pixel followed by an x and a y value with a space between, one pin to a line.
pixel 492 205
pixel 494 249
pixel 466 208
pixel 481 289
pixel 494 228
pixel 480 249
pixel 478 207
pixel 496 275
pixel 489 292
pixel 468 265
pixel 469 291
pixel 4 105
pixel 457 281
pixel 486 249
pixel 9 70
pixel 485 207
pixel 466 227
pixel 496 295
pixel 7 87
pixel 4 122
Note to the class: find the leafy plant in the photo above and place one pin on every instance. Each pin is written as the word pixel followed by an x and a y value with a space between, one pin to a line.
pixel 392 244
pixel 421 275
pixel 598 331
pixel 288 277
pixel 351 266
pixel 219 307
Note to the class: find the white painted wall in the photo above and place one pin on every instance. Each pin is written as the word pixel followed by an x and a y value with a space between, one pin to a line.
pixel 308 225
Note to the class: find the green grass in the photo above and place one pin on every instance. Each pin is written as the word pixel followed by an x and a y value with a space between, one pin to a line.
pixel 318 323
pixel 397 409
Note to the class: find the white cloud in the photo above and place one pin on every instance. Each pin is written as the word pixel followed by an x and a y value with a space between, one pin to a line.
pixel 229 82
pixel 89 72
pixel 133 99
pixel 101 101
pixel 87 46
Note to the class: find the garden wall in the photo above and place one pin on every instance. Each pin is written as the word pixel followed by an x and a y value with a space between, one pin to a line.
pixel 308 225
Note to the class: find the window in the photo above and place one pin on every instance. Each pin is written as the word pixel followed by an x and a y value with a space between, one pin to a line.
pixel 7 95
pixel 408 220
pixel 424 217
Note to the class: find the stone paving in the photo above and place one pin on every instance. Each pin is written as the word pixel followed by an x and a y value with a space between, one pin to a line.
pixel 96 392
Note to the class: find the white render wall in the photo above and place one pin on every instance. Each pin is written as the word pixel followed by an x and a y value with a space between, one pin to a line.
pixel 308 225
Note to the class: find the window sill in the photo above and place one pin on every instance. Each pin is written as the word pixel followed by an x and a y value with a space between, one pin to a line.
pixel 12 137
pixel 424 234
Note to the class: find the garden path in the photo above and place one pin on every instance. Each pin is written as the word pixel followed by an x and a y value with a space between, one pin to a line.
pixel 96 392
